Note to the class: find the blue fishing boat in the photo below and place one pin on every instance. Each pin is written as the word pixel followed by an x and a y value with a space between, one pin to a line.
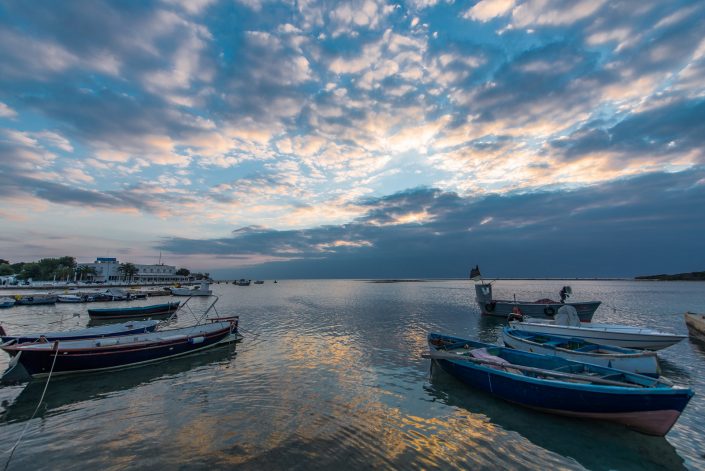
pixel 556 385
pixel 128 328
pixel 35 360
pixel 131 312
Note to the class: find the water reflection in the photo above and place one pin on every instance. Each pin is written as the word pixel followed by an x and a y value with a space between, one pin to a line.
pixel 64 392
pixel 595 445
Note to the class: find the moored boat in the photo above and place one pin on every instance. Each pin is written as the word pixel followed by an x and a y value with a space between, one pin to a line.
pixel 134 312
pixel 6 302
pixel 199 290
pixel 242 282
pixel 69 298
pixel 128 328
pixel 35 299
pixel 643 362
pixel 605 334
pixel 32 360
pixel 696 325
pixel 556 385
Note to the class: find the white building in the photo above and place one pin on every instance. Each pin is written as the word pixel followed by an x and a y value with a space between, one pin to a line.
pixel 107 270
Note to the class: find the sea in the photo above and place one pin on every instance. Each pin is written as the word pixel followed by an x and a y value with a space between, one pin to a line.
pixel 330 375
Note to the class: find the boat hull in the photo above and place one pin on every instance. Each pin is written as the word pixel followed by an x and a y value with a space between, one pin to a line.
pixel 627 337
pixel 499 308
pixel 36 300
pixel 696 326
pixel 651 411
pixel 109 354
pixel 640 362
pixel 134 312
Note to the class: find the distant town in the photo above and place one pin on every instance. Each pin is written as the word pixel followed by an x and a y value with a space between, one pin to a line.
pixel 104 270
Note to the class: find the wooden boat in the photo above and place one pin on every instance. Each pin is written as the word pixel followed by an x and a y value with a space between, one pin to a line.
pixel 546 308
pixel 128 328
pixel 200 290
pixel 6 302
pixel 643 362
pixel 618 335
pixel 556 385
pixel 33 360
pixel 696 325
pixel 132 312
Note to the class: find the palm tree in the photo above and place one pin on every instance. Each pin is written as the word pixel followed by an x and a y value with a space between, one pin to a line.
pixel 84 271
pixel 127 270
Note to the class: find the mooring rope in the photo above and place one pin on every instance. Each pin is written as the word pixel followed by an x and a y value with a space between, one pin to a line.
pixel 41 399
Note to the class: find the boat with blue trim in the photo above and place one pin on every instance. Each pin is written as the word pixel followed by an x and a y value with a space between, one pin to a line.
pixel 559 386
pixel 137 311
pixel 644 362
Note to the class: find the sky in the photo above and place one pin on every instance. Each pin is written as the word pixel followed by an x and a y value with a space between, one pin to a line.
pixel 356 139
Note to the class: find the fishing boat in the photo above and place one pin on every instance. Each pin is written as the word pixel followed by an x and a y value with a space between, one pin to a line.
pixel 6 302
pixel 35 360
pixel 35 299
pixel 128 328
pixel 132 312
pixel 696 325
pixel 643 362
pixel 559 386
pixel 618 335
pixel 546 308
pixel 198 290
pixel 259 282
pixel 243 282
pixel 69 298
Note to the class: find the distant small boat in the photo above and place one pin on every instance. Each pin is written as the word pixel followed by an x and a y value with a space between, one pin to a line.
pixel 6 302
pixel 69 298
pixel 559 386
pixel 243 282
pixel 134 312
pixel 643 362
pixel 133 327
pixel 201 290
pixel 605 334
pixel 33 360
pixel 35 299
pixel 259 282
pixel 696 325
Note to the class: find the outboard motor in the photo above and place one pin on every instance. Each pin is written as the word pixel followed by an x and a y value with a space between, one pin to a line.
pixel 483 293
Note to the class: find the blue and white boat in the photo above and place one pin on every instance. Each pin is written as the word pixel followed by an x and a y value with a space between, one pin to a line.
pixel 155 310
pixel 643 362
pixel 559 386
pixel 6 302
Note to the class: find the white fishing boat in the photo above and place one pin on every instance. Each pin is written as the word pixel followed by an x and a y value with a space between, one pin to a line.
pixel 567 324
pixel 696 325
pixel 199 290
pixel 643 362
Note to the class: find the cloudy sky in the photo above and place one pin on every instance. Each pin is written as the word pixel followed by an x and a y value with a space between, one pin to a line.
pixel 264 138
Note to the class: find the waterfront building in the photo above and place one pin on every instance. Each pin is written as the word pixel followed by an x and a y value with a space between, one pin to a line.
pixel 107 269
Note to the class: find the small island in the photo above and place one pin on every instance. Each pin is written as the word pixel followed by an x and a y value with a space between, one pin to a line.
pixel 692 276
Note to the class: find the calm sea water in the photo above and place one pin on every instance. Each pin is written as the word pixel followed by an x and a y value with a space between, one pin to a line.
pixel 330 375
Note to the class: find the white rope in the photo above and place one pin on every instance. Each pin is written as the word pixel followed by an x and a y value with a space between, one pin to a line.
pixel 41 399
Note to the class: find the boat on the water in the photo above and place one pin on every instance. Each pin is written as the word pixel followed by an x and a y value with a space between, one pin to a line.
pixel 618 335
pixel 199 290
pixel 128 328
pixel 643 362
pixel 6 302
pixel 559 386
pixel 34 360
pixel 242 282
pixel 259 282
pixel 134 312
pixel 546 307
pixel 696 325
pixel 34 299
pixel 69 298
